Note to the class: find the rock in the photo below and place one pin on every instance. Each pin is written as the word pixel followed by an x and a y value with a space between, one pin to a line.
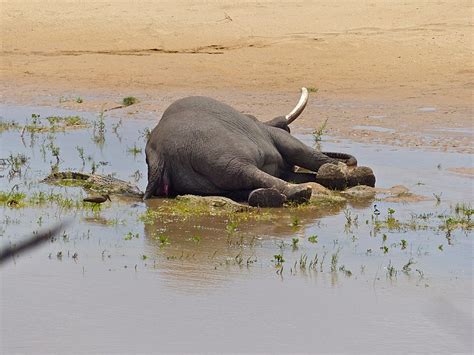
pixel 215 202
pixel 360 192
pixel 406 197
pixel 394 190
pixel 317 188
pixel 399 193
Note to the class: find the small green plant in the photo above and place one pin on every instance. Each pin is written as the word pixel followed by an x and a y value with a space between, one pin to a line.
pixel 137 175
pixel 129 100
pixel 164 240
pixel 313 89
pixel 384 249
pixel 116 126
pixel 295 221
pixel 99 129
pixel 135 150
pixel 437 197
pixel 80 150
pixel 7 125
pixel 278 260
pixel 334 261
pixel 391 271
pixel 403 244
pixel 407 267
pixel 294 243
pixel 231 227
pixel 196 239
pixel 79 100
pixel 318 132
pixel 313 239
pixel 16 163
pixel 130 236
pixel 346 272
pixel 145 133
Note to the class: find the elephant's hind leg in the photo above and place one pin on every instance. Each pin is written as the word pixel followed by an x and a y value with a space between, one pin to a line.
pixel 237 176
pixel 268 190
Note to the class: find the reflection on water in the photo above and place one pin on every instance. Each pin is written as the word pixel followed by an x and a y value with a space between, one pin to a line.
pixel 326 278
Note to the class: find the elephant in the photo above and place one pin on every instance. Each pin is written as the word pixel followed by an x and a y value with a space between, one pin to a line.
pixel 205 147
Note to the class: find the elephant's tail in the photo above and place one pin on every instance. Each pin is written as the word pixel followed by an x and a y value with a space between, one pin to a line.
pixel 343 157
pixel 158 182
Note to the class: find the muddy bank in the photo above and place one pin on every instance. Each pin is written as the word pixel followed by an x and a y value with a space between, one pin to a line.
pixel 401 68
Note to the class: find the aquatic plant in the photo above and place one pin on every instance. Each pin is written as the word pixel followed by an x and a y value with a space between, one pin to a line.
pixel 318 133
pixel 129 100
pixel 313 239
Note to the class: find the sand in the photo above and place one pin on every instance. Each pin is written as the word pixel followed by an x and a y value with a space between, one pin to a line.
pixel 405 66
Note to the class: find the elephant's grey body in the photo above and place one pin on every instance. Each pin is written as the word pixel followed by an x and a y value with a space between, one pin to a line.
pixel 202 146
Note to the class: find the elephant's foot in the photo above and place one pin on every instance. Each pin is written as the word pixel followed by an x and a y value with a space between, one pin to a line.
pixel 297 193
pixel 339 177
pixel 361 175
pixel 266 198
pixel 332 176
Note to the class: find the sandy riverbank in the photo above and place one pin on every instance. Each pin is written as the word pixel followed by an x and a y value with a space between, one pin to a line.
pixel 404 66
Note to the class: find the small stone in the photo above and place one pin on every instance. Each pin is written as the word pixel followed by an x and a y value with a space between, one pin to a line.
pixel 317 188
pixel 360 192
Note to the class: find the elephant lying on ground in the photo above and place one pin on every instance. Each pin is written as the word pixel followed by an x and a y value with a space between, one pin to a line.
pixel 204 147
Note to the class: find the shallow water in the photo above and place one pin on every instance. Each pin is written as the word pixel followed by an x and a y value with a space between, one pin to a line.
pixel 213 283
pixel 374 129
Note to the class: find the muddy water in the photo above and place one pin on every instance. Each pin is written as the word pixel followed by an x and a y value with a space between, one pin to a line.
pixel 117 281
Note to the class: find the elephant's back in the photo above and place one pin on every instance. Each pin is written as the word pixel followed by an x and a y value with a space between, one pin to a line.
pixel 205 117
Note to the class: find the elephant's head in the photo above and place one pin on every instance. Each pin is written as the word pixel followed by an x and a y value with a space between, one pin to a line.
pixel 283 122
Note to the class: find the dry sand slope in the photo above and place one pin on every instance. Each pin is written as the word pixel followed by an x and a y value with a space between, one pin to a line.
pixel 384 58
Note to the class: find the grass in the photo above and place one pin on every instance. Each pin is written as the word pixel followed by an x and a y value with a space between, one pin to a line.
pixel 55 123
pixel 129 100
pixel 135 150
pixel 98 134
pixel 8 125
pixel 318 132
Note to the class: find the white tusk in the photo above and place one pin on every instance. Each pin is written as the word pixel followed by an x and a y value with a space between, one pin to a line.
pixel 299 106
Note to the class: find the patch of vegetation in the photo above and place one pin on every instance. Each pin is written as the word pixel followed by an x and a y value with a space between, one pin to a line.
pixel 98 134
pixel 182 209
pixel 145 133
pixel 13 199
pixel 8 125
pixel 313 89
pixel 135 150
pixel 129 100
pixel 55 123
pixel 318 132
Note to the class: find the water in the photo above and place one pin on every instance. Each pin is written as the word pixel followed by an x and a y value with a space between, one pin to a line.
pixel 213 284
pixel 375 129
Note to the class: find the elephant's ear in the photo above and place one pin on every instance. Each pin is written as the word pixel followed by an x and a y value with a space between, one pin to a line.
pixel 279 122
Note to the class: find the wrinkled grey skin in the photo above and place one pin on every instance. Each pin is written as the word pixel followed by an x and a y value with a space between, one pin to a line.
pixel 204 147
